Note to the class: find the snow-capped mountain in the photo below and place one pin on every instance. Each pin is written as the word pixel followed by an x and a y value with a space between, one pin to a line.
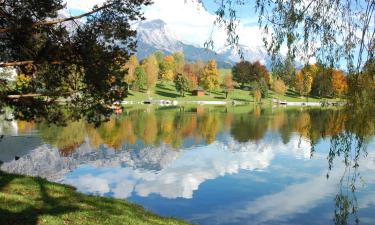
pixel 156 35
pixel 252 54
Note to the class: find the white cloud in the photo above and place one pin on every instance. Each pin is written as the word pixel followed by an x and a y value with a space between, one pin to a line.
pixel 93 184
pixel 82 5
pixel 298 198
pixel 189 20
pixel 194 24
pixel 182 176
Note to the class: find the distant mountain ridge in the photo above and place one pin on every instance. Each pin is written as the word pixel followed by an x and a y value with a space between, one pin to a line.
pixel 155 35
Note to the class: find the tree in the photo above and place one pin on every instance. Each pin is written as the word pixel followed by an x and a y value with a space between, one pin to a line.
pixel 343 30
pixel 227 84
pixel 262 86
pixel 279 86
pixel 151 68
pixel 299 25
pixel 23 84
pixel 339 83
pixel 166 72
pixel 159 56
pixel 210 76
pixel 130 66
pixel 322 82
pixel 198 67
pixel 260 71
pixel 242 73
pixel 181 83
pixel 42 45
pixel 285 70
pixel 245 72
pixel 179 62
pixel 192 75
pixel 140 79
pixel 362 87
pixel 303 82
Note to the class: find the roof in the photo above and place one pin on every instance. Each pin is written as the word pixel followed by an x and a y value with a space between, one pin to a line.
pixel 199 89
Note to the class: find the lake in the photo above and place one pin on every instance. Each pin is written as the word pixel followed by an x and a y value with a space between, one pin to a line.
pixel 211 165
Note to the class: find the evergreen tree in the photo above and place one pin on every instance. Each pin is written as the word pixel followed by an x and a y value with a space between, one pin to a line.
pixel 284 69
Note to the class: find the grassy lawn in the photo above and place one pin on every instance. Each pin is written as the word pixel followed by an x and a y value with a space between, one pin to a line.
pixel 27 200
pixel 167 91
pixel 291 96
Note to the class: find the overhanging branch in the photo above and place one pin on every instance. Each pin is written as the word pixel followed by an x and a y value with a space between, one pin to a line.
pixel 27 62
pixel 57 21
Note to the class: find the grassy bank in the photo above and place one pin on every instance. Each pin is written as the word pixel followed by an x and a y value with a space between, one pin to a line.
pixel 27 200
pixel 167 91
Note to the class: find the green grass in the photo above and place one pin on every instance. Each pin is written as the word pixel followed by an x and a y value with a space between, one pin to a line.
pixel 26 200
pixel 167 91
pixel 292 96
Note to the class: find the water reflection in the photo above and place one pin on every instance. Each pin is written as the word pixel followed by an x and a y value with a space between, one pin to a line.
pixel 218 165
pixel 174 126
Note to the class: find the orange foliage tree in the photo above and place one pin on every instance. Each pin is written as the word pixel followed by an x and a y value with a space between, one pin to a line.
pixel 261 72
pixel 192 76
pixel 339 83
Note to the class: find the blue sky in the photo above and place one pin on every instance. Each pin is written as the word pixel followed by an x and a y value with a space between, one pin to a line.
pixel 245 12
pixel 193 23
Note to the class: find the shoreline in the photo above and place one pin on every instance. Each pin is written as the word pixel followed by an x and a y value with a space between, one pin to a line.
pixel 34 200
pixel 232 102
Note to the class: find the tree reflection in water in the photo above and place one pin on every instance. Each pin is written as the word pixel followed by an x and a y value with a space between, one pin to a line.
pixel 349 132
pixel 351 145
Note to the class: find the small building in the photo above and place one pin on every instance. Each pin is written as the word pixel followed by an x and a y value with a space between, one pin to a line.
pixel 198 92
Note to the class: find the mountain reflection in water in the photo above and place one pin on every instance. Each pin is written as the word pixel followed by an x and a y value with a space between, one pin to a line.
pixel 216 165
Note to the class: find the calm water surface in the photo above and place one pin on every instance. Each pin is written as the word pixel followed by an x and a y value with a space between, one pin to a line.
pixel 211 165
